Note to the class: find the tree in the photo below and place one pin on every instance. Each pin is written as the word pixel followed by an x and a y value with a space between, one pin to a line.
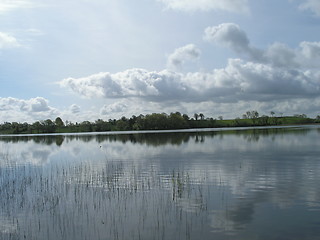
pixel 255 114
pixel 186 117
pixel 201 116
pixel 86 126
pixel 220 118
pixel 272 113
pixel 15 127
pixel 176 121
pixel 36 126
pixel 237 121
pixel 156 121
pixel 101 126
pixel 196 116
pixel 300 115
pixel 139 123
pixel 264 120
pixel 59 122
pixel 122 124
pixel 132 121
pixel 251 114
pixel 48 126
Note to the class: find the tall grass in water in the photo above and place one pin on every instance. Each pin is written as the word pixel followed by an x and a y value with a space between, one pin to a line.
pixel 83 201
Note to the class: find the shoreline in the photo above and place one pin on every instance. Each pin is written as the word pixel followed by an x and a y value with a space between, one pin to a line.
pixel 191 130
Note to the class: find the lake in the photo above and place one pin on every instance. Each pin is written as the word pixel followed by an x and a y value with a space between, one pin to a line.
pixel 230 184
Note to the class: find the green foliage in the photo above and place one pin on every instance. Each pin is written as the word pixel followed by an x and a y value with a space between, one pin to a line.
pixel 154 121
pixel 59 122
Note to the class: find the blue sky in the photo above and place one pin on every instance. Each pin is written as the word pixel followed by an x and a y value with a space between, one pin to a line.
pixel 84 60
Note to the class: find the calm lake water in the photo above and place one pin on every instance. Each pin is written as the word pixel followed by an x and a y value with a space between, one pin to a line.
pixel 239 184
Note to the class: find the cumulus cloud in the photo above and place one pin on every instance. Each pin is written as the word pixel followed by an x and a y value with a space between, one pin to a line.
pixel 310 53
pixel 237 6
pixel 8 41
pixel 230 35
pixel 12 109
pixel 32 105
pixel 38 109
pixel 281 55
pixel 239 80
pixel 130 83
pixel 38 105
pixel 312 5
pixel 267 78
pixel 186 53
pixel 307 55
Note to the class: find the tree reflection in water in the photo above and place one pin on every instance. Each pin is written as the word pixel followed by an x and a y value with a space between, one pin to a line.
pixel 198 185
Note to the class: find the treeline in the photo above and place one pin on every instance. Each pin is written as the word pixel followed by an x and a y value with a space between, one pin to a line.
pixel 155 121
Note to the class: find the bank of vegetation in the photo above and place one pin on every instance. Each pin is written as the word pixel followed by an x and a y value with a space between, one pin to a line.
pixel 154 121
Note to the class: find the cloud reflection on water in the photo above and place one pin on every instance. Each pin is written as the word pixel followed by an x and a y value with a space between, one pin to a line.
pixel 231 178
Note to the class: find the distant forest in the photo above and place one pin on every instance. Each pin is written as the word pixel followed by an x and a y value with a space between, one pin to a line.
pixel 154 121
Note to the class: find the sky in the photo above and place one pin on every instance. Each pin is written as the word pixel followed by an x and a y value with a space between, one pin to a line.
pixel 104 59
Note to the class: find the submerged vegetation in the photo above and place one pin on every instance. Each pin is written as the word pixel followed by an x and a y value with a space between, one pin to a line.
pixel 154 121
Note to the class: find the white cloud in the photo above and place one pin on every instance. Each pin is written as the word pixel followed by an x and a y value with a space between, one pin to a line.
pixel 38 109
pixel 39 104
pixel 307 56
pixel 8 41
pixel 97 85
pixel 130 83
pixel 281 55
pixel 310 50
pixel 13 109
pixel 312 5
pixel 277 74
pixel 230 35
pixel 135 106
pixel 32 105
pixel 237 6
pixel 240 80
pixel 186 53
pixel 310 53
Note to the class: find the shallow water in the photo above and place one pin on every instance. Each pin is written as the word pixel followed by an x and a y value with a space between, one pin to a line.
pixel 236 184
